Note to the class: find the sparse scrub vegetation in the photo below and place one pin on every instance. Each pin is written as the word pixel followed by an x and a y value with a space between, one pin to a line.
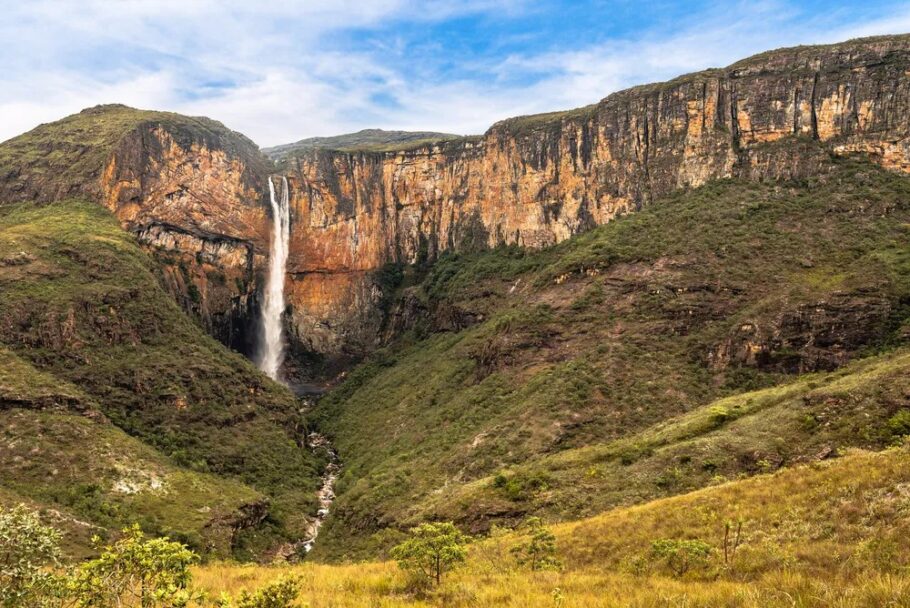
pixel 826 534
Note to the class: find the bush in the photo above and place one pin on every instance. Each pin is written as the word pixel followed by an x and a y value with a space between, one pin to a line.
pixel 520 486
pixel 718 415
pixel 27 549
pixel 680 556
pixel 899 423
pixel 432 549
pixel 280 593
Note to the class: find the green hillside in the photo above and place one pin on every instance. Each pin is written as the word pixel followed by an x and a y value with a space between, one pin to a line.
pixel 85 326
pixel 618 366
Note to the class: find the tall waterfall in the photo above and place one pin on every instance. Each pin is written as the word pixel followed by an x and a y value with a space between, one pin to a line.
pixel 271 349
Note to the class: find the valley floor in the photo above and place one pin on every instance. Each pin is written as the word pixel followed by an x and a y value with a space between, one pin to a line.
pixel 827 534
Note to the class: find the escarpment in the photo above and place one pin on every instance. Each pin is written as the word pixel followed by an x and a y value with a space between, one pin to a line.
pixel 194 192
pixel 189 189
pixel 537 180
pixel 198 205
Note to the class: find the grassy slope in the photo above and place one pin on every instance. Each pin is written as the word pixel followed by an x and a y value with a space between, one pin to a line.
pixel 826 534
pixel 605 336
pixel 60 455
pixel 80 303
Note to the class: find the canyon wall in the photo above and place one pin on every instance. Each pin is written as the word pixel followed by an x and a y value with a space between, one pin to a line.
pixel 195 193
pixel 201 211
pixel 191 190
pixel 537 180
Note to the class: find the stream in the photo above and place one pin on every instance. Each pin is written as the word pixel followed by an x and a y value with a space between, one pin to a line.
pixel 320 445
pixel 326 494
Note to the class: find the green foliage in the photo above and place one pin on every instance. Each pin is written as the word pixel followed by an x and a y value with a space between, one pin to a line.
pixel 519 486
pixel 538 551
pixel 88 311
pixel 718 415
pixel 280 593
pixel 899 423
pixel 29 550
pixel 680 556
pixel 432 550
pixel 151 573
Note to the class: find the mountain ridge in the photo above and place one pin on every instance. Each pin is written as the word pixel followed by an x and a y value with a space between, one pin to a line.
pixel 365 140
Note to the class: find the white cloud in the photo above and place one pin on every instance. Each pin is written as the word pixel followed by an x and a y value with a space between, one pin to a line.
pixel 268 71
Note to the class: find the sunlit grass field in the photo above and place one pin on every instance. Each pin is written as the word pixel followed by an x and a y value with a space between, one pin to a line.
pixel 830 533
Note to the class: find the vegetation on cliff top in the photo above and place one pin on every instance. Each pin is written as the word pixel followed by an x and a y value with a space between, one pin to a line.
pixel 367 140
pixel 87 327
pixel 616 367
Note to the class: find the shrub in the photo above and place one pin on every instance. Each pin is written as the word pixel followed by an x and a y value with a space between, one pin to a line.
pixel 521 486
pixel 680 556
pixel 280 593
pixel 539 550
pixel 432 549
pixel 27 549
pixel 718 415
pixel 899 423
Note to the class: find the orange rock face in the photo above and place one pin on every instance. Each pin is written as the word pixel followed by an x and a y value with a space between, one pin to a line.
pixel 536 181
pixel 195 193
pixel 202 214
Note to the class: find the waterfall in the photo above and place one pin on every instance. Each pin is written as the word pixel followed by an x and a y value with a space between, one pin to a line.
pixel 271 349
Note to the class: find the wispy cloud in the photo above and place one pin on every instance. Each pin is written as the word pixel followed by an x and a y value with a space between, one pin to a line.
pixel 283 71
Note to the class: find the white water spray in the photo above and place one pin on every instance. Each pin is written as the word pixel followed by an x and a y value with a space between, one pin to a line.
pixel 271 350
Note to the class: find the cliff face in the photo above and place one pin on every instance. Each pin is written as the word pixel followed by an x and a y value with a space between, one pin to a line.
pixel 194 192
pixel 538 180
pixel 189 189
pixel 200 210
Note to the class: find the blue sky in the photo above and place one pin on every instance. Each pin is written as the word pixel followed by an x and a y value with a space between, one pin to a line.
pixel 280 71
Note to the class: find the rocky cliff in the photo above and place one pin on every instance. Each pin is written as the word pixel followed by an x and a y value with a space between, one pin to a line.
pixel 188 188
pixel 194 192
pixel 537 180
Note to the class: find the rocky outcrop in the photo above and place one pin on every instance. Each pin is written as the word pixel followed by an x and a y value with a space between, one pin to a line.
pixel 191 190
pixel 535 181
pixel 810 338
pixel 198 205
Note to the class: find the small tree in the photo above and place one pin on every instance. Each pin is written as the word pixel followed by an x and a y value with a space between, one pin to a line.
pixel 135 572
pixel 539 551
pixel 28 552
pixel 432 549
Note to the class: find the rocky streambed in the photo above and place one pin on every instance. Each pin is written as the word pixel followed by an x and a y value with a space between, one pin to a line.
pixel 326 493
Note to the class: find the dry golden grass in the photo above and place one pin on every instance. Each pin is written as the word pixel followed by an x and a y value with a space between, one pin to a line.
pixel 381 584
pixel 825 534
